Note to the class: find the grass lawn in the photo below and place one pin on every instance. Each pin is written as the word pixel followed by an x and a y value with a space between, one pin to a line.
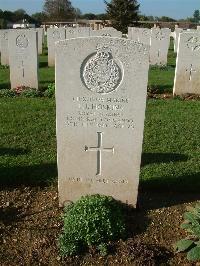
pixel 171 139
pixel 171 144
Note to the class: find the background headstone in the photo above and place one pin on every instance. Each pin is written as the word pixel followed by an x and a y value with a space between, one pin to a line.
pixel 187 75
pixel 101 87
pixel 4 48
pixel 23 58
pixel 139 35
pixel 77 32
pixel 53 35
pixel 40 36
pixel 105 32
pixel 160 41
pixel 176 38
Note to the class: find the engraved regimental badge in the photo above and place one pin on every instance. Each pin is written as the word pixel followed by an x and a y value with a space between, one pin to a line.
pixel 100 72
pixel 22 41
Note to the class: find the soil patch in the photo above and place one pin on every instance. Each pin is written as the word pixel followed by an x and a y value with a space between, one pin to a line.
pixel 30 224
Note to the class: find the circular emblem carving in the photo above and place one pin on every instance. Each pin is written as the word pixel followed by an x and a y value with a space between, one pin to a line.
pixel 22 41
pixel 159 35
pixel 193 43
pixel 100 72
pixel 56 34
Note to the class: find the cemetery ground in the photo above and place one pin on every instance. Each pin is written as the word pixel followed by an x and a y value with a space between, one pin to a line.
pixel 169 180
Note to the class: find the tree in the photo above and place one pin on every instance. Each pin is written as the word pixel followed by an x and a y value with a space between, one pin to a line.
pixel 39 17
pixel 122 13
pixel 59 9
pixel 196 16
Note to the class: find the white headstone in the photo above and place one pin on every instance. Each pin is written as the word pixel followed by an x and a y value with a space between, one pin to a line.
pixel 4 48
pixel 176 35
pixel 187 75
pixel 40 36
pixel 53 35
pixel 139 35
pixel 77 32
pixel 198 27
pixel 160 41
pixel 23 58
pixel 101 87
pixel 105 32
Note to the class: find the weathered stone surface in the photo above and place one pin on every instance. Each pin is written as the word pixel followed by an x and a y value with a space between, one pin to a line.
pixel 53 35
pixel 187 76
pixel 4 47
pixel 23 58
pixel 160 41
pixel 77 32
pixel 106 32
pixel 176 36
pixel 139 35
pixel 101 87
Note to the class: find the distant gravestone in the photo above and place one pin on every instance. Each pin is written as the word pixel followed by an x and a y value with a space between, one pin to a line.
pixel 4 48
pixel 198 27
pixel 139 35
pixel 1 32
pixel 160 41
pixel 23 58
pixel 77 32
pixel 105 32
pixel 53 35
pixel 187 75
pixel 176 38
pixel 40 36
pixel 101 87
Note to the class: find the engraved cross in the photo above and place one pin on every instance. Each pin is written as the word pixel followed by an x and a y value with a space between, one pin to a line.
pixel 191 70
pixel 22 68
pixel 99 149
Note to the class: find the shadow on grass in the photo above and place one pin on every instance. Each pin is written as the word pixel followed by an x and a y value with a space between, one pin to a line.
pixel 34 175
pixel 5 85
pixel 150 158
pixel 13 152
pixel 43 64
pixel 169 191
pixel 159 89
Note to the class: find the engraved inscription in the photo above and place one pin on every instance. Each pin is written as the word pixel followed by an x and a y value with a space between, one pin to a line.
pixel 22 41
pixel 108 180
pixel 22 68
pixel 106 34
pixel 5 35
pixel 56 34
pixel 99 149
pixel 193 43
pixel 100 112
pixel 101 73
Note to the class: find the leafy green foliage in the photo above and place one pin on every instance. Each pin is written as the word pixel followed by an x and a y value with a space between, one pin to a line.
pixel 122 13
pixel 30 93
pixel 6 93
pixel 192 225
pixel 92 220
pixel 50 92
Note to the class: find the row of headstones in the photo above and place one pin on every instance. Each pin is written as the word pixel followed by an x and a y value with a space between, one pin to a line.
pixel 187 47
pixel 158 39
pixel 57 34
pixel 20 49
pixel 4 40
